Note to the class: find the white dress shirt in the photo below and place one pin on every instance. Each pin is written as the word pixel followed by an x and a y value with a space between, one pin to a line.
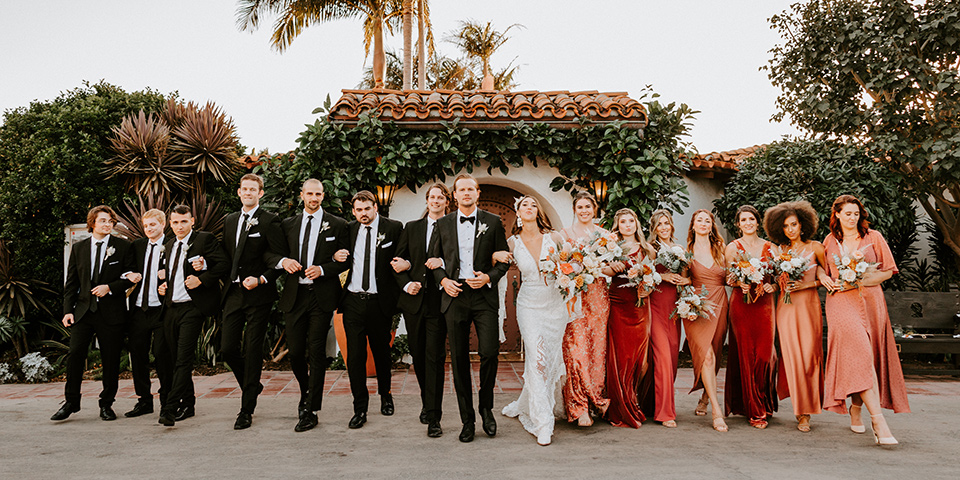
pixel 180 293
pixel 359 252
pixel 466 235
pixel 103 254
pixel 240 225
pixel 153 299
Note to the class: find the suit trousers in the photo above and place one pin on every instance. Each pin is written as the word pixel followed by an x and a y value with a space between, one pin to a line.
pixel 145 333
pixel 427 337
pixel 246 362
pixel 110 340
pixel 182 323
pixel 363 321
pixel 307 325
pixel 471 307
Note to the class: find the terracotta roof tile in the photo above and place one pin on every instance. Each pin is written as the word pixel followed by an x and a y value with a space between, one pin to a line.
pixel 722 162
pixel 425 109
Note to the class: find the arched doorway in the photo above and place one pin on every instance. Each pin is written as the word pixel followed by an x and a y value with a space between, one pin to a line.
pixel 499 200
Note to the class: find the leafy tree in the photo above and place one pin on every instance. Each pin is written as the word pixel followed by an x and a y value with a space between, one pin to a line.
pixel 883 74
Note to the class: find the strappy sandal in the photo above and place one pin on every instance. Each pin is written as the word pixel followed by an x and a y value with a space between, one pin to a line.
pixel 701 410
pixel 721 426
pixel 803 423
pixel 856 428
pixel 760 423
pixel 670 424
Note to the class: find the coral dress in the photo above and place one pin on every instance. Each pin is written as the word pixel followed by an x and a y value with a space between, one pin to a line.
pixel 751 384
pixel 707 334
pixel 628 342
pixel 664 347
pixel 800 329
pixel 859 335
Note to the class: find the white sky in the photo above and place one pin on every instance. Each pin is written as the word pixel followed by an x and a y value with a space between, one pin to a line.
pixel 705 53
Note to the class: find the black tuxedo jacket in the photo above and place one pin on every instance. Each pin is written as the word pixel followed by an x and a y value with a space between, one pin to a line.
pixel 259 243
pixel 206 297
pixel 387 290
pixel 413 247
pixel 446 246
pixel 140 247
pixel 76 291
pixel 333 237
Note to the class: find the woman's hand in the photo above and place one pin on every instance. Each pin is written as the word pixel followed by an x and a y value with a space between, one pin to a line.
pixel 502 256
pixel 644 293
pixel 827 282
pixel 618 267
pixel 674 278
pixel 769 288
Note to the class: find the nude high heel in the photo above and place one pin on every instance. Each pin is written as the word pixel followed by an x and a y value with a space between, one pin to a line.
pixel 882 441
pixel 856 428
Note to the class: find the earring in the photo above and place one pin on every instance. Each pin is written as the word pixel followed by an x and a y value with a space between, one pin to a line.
pixel 519 222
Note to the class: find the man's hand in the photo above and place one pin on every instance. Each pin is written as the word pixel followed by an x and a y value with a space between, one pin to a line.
pixel 68 320
pixel 413 288
pixel 162 274
pixel 433 263
pixel 192 282
pixel 291 265
pixel 313 272
pixel 479 280
pixel 100 291
pixel 134 277
pixel 341 255
pixel 452 287
pixel 251 282
pixel 162 289
pixel 199 264
pixel 399 264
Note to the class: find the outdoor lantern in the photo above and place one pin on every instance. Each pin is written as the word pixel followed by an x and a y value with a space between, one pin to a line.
pixel 385 194
pixel 599 188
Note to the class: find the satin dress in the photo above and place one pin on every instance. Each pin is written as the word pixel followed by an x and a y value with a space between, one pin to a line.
pixel 707 334
pixel 800 330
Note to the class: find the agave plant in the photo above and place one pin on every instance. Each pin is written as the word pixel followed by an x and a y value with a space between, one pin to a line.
pixel 141 161
pixel 208 216
pixel 14 330
pixel 130 225
pixel 17 295
pixel 206 142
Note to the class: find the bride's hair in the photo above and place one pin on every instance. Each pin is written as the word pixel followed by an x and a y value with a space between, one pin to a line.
pixel 543 223
pixel 637 235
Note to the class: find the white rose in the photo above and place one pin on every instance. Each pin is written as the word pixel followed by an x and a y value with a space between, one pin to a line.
pixel 657 278
pixel 755 262
pixel 577 268
pixel 845 260
pixel 648 279
pixel 786 266
pixel 677 250
pixel 601 250
pixel 862 267
pixel 588 279
pixel 696 300
pixel 548 266
pixel 848 276
pixel 797 262
pixel 683 309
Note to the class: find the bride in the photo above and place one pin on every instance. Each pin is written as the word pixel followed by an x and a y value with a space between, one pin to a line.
pixel 542 317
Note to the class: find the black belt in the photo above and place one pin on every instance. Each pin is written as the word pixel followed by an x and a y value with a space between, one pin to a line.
pixel 364 295
pixel 177 305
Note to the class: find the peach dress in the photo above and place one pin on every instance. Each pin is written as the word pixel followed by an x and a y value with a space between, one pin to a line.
pixel 585 354
pixel 705 334
pixel 859 335
pixel 800 329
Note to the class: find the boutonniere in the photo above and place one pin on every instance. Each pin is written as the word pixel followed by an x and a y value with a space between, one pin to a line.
pixel 324 227
pixel 252 222
pixel 380 238
pixel 481 229
pixel 110 251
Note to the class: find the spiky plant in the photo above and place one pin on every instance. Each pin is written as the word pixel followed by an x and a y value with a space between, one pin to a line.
pixel 140 143
pixel 206 142
pixel 17 295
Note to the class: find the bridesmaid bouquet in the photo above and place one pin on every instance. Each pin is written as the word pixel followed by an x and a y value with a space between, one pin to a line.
pixel 692 304
pixel 600 249
pixel 642 275
pixel 751 271
pixel 565 269
pixel 790 266
pixel 851 267
pixel 675 259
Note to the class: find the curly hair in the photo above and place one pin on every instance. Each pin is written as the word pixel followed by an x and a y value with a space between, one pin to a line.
pixel 775 217
pixel 717 244
pixel 862 226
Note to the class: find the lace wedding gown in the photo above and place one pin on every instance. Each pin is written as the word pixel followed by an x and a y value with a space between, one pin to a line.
pixel 542 317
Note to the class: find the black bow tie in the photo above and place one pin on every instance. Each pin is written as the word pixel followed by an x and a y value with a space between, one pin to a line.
pixel 467 219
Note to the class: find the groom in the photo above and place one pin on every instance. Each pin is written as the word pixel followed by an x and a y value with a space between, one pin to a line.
pixel 466 240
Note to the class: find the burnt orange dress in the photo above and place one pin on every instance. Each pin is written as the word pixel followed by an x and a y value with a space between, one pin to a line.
pixel 628 344
pixel 664 349
pixel 859 335
pixel 585 354
pixel 707 334
pixel 800 330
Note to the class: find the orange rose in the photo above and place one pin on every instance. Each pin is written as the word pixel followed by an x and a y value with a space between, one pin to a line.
pixel 579 281
pixel 566 268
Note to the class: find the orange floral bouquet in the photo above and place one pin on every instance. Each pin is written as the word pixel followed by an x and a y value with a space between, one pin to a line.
pixel 752 271
pixel 790 266
pixel 642 275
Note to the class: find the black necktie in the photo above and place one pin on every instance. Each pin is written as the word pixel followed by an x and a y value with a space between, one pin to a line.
pixel 236 253
pixel 96 267
pixel 365 284
pixel 305 243
pixel 467 219
pixel 145 294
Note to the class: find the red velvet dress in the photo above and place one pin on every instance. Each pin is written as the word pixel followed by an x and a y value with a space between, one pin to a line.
pixel 628 342
pixel 751 388
pixel 664 347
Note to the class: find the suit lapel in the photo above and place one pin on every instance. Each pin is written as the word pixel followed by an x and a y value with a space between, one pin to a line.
pixel 85 268
pixel 230 232
pixel 477 234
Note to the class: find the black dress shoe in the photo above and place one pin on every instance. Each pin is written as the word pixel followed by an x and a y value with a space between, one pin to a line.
pixel 167 418
pixel 489 423
pixel 65 410
pixel 185 413
pixel 466 434
pixel 358 420
pixel 423 417
pixel 307 421
pixel 107 414
pixel 244 420
pixel 386 404
pixel 141 408
pixel 434 430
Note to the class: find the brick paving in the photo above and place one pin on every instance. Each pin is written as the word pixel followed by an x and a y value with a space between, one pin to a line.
pixel 404 382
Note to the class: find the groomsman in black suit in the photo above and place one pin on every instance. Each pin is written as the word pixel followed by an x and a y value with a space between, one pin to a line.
pixel 251 237
pixel 191 292
pixel 466 240
pixel 311 293
pixel 420 304
pixel 95 302
pixel 146 314
pixel 370 302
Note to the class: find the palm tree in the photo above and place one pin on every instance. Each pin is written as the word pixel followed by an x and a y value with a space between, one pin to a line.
pixel 424 39
pixel 480 42
pixel 295 15
pixel 441 73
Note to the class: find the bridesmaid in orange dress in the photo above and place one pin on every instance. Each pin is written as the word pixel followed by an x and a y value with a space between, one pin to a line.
pixel 859 327
pixel 585 339
pixel 799 323
pixel 664 327
pixel 628 338
pixel 705 335
pixel 751 386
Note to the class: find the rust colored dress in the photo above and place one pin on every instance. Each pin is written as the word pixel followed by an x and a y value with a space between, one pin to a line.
pixel 751 385
pixel 707 334
pixel 800 329
pixel 664 347
pixel 585 354
pixel 859 335
pixel 628 342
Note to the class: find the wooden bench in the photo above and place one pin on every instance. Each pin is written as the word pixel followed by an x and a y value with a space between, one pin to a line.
pixel 934 320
